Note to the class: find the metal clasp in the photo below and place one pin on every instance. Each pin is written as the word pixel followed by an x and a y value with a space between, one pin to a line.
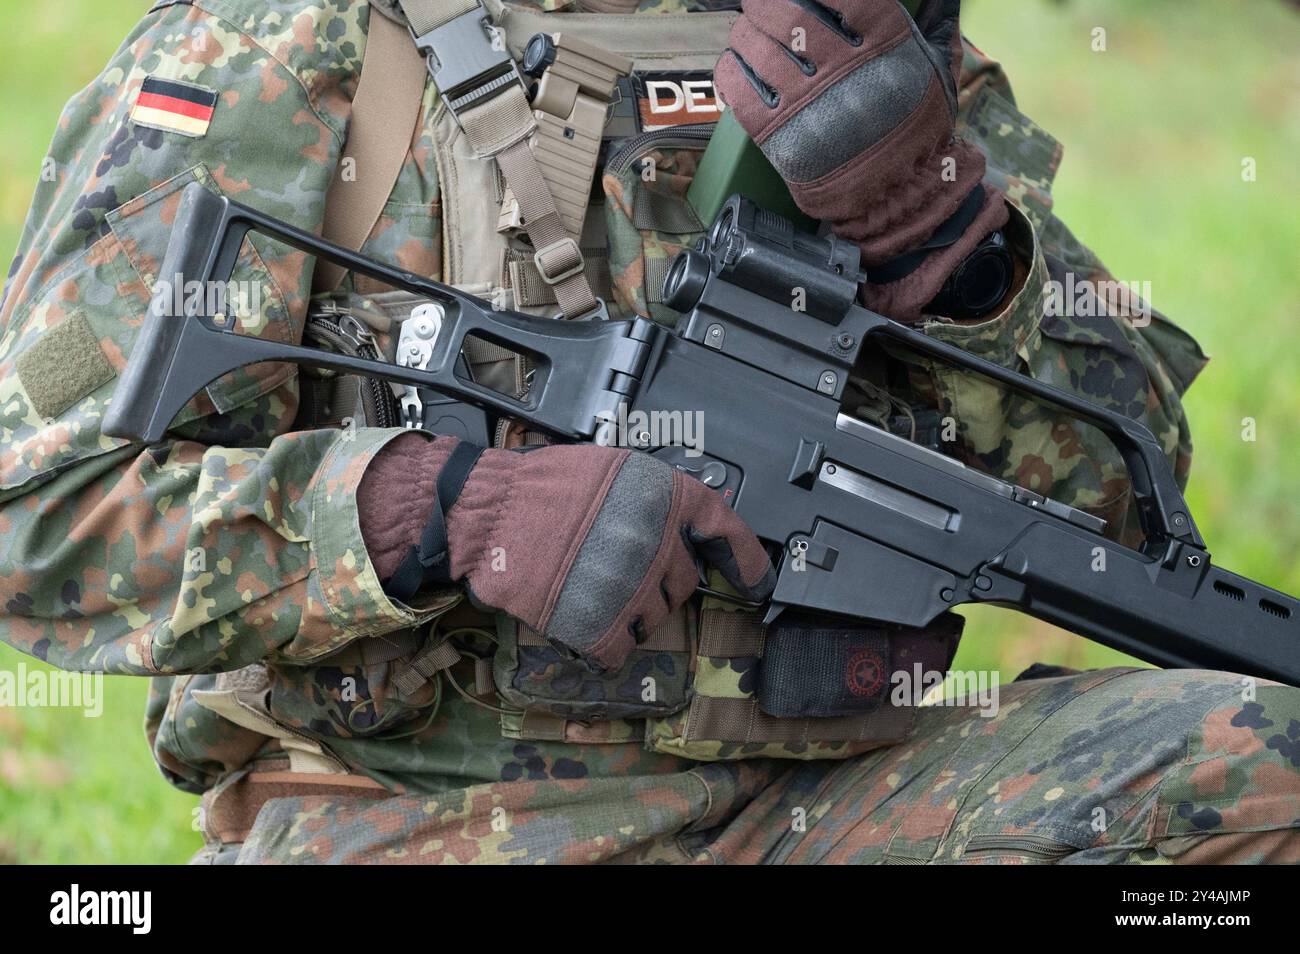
pixel 415 350
pixel 466 64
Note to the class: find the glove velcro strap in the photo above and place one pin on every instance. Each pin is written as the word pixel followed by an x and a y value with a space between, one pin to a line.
pixel 948 232
pixel 429 562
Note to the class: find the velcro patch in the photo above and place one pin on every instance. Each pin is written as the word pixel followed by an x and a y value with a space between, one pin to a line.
pixel 174 107
pixel 65 364
pixel 665 100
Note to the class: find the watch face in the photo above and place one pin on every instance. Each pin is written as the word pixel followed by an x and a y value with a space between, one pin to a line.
pixel 984 278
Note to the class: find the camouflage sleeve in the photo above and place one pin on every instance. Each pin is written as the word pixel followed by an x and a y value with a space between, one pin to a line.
pixel 235 540
pixel 1069 324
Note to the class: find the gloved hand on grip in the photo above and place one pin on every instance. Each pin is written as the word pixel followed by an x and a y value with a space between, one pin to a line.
pixel 591 546
pixel 855 103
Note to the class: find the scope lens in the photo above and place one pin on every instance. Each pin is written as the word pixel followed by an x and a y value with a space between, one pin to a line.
pixel 723 226
pixel 673 280
pixel 684 284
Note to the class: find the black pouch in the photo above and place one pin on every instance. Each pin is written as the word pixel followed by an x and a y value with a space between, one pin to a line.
pixel 817 665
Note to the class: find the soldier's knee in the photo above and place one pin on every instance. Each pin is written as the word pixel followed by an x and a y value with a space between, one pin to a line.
pixel 1236 795
pixel 1112 766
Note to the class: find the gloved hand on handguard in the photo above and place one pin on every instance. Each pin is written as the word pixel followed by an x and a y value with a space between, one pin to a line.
pixel 591 546
pixel 854 103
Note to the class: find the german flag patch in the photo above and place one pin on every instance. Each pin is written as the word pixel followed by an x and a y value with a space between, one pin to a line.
pixel 174 107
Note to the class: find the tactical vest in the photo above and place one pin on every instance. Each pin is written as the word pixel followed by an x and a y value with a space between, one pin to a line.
pixel 712 682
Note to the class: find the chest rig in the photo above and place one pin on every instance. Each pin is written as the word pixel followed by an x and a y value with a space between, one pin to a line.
pixel 572 201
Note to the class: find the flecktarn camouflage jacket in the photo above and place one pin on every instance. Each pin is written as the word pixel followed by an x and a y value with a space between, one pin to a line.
pixel 234 547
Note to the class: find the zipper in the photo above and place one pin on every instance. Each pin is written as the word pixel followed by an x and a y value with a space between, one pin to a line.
pixel 1039 847
pixel 675 137
pixel 347 334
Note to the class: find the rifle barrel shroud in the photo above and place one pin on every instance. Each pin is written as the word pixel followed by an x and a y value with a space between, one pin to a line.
pixel 884 529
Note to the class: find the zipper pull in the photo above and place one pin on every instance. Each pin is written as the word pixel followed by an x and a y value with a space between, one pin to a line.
pixel 357 334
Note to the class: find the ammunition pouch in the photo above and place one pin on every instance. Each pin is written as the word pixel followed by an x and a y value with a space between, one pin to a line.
pixel 712 683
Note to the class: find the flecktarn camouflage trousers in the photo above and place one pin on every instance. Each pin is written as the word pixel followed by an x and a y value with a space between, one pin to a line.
pixel 1107 766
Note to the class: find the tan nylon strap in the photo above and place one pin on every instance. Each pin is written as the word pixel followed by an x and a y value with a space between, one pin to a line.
pixel 504 120
pixel 376 650
pixel 482 351
pixel 729 634
pixel 656 275
pixel 230 812
pixel 740 720
pixel 426 15
pixel 499 128
pixel 484 681
pixel 425 666
pixel 530 289
pixel 385 111
pixel 541 220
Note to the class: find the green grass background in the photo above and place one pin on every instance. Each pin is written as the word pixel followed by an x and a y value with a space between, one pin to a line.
pixel 1155 129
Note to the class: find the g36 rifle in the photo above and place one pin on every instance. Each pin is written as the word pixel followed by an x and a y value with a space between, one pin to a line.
pixel 867 524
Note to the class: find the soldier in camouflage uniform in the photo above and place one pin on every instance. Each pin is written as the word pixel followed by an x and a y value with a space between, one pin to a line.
pixel 228 562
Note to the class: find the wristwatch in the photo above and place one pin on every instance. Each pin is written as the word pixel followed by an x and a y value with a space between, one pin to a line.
pixel 979 283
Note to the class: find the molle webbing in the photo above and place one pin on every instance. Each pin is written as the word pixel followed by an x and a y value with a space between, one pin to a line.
pixel 570 106
pixel 531 290
pixel 425 666
pixel 494 114
pixel 729 634
pixel 472 245
pixel 740 720
pixel 519 272
pixel 539 726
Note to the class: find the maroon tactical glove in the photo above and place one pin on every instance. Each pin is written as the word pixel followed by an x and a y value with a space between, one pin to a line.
pixel 854 103
pixel 591 546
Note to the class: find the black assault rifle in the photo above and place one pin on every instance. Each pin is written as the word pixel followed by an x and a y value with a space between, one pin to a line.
pixel 868 524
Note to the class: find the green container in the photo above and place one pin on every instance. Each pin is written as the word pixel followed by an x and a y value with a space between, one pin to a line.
pixel 732 165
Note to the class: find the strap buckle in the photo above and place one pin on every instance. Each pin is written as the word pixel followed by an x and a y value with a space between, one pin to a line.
pixel 465 63
pixel 558 261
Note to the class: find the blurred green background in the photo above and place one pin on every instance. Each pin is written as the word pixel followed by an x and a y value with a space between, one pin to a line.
pixel 1155 129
